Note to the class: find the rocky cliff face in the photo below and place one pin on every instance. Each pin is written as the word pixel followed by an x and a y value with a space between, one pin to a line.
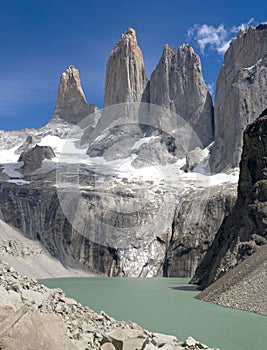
pixel 173 240
pixel 71 105
pixel 244 230
pixel 177 84
pixel 241 94
pixel 125 74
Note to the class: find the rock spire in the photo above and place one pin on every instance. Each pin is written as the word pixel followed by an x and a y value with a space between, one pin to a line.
pixel 71 104
pixel 241 94
pixel 177 84
pixel 126 79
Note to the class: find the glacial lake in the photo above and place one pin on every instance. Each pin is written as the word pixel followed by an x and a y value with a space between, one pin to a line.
pixel 168 305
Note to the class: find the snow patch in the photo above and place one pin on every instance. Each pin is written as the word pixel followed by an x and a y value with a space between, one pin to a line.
pixel 19 181
pixel 9 155
pixel 53 141
pixel 142 141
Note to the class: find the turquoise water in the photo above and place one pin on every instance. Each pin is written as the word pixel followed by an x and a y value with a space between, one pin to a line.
pixel 168 305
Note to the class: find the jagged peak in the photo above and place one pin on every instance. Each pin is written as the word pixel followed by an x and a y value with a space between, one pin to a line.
pixel 71 104
pixel 129 34
pixel 184 48
pixel 70 79
pixel 168 48
pixel 249 30
pixel 71 70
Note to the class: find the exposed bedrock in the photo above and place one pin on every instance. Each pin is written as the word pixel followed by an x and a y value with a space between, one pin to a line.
pixel 241 95
pixel 245 229
pixel 182 230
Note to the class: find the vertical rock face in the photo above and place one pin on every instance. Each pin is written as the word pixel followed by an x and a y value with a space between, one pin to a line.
pixel 71 104
pixel 125 75
pixel 241 94
pixel 245 229
pixel 177 84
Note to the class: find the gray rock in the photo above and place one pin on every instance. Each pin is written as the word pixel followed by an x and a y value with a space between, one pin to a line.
pixel 244 230
pixel 240 95
pixel 71 105
pixel 193 158
pixel 34 157
pixel 190 342
pixel 125 74
pixel 160 339
pixel 150 346
pixel 243 287
pixel 177 84
pixel 198 214
pixel 108 346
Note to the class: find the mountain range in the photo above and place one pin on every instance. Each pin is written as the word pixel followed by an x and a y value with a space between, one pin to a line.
pixel 148 185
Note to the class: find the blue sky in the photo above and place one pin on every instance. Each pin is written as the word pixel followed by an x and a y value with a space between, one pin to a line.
pixel 41 38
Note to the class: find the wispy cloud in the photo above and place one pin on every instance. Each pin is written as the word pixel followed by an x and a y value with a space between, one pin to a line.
pixel 216 38
pixel 211 87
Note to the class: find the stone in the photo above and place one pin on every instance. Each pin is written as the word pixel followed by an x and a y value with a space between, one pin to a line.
pixel 134 343
pixel 37 331
pixel 35 297
pixel 240 95
pixel 170 347
pixel 108 346
pixel 191 342
pixel 244 230
pixel 150 346
pixel 34 157
pixel 160 339
pixel 177 84
pixel 9 298
pixel 125 74
pixel 71 105
pixel 194 158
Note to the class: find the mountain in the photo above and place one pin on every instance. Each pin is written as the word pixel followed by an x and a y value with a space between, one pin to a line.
pixel 244 230
pixel 126 79
pixel 71 105
pixel 180 113
pixel 241 95
pixel 111 194
pixel 177 84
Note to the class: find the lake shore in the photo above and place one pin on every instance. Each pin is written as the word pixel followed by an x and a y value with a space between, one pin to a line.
pixel 34 316
pixel 244 287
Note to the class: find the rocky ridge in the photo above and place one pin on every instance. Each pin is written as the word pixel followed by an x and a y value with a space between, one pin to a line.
pixel 177 84
pixel 66 324
pixel 240 95
pixel 244 230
